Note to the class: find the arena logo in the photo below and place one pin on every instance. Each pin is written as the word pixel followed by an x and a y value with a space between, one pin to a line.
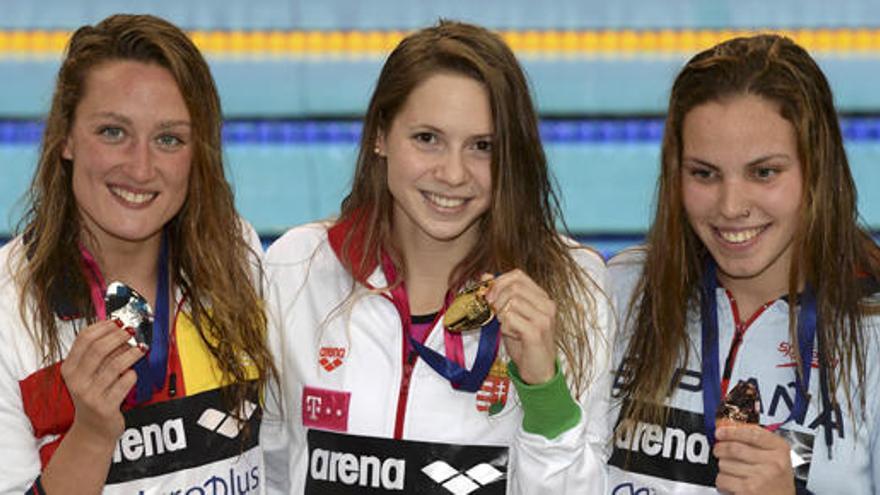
pixel 149 440
pixel 226 424
pixel 666 442
pixel 365 470
pixel 331 357
pixel 462 483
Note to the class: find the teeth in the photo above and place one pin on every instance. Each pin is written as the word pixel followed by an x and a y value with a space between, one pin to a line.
pixel 444 201
pixel 739 236
pixel 132 197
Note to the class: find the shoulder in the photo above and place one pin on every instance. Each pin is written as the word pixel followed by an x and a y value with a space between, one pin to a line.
pixel 629 259
pixel 627 264
pixel 250 236
pixel 589 259
pixel 11 257
pixel 15 339
pixel 298 244
pixel 624 271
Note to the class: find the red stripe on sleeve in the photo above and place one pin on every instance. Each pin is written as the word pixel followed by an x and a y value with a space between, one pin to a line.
pixel 48 406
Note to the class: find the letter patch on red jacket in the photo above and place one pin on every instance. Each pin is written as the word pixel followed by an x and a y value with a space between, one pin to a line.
pixel 325 409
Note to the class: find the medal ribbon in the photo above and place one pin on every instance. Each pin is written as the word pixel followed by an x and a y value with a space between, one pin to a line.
pixel 460 378
pixel 806 331
pixel 151 371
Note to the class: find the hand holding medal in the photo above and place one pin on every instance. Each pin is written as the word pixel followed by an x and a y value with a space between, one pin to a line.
pixel 751 459
pixel 99 376
pixel 528 317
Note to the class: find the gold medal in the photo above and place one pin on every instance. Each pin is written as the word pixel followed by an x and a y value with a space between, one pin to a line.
pixel 469 310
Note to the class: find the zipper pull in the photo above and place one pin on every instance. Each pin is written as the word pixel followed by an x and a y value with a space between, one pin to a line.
pixel 172 385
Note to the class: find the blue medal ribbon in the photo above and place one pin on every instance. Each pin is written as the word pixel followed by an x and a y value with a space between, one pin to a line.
pixel 151 371
pixel 806 332
pixel 460 378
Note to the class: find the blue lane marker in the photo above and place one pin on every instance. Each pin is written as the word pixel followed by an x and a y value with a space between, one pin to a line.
pixel 556 131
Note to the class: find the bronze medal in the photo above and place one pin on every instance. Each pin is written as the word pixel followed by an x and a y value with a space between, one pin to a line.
pixel 469 310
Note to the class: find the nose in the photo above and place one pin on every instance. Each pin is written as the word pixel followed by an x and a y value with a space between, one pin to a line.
pixel 139 161
pixel 734 200
pixel 452 168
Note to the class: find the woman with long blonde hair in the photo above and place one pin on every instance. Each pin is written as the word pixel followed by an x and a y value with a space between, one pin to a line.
pixel 391 376
pixel 754 302
pixel 132 326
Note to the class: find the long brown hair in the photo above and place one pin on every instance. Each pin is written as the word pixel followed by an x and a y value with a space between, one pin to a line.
pixel 211 260
pixel 830 251
pixel 519 230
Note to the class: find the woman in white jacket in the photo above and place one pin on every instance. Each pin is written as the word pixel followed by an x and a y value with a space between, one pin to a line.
pixel 756 271
pixel 451 187
pixel 130 187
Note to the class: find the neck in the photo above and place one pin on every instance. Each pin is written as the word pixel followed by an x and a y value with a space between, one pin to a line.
pixel 134 263
pixel 752 293
pixel 429 263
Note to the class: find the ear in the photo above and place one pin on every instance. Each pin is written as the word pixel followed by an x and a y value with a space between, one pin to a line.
pixel 67 151
pixel 379 148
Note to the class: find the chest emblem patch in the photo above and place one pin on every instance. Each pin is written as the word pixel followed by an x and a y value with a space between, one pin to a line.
pixel 331 358
pixel 492 395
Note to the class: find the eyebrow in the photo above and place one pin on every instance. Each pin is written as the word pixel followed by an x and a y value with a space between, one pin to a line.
pixel 431 128
pixel 756 161
pixel 167 124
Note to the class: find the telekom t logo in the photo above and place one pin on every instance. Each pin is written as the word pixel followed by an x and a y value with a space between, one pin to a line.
pixel 325 409
pixel 313 406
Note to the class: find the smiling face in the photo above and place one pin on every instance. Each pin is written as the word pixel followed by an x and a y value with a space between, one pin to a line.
pixel 742 188
pixel 439 154
pixel 130 148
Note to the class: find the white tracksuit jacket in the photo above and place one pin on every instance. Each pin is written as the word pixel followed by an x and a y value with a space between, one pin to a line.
pixel 676 457
pixel 341 363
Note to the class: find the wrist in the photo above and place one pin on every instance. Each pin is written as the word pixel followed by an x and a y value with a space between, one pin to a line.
pixel 90 440
pixel 538 377
pixel 548 409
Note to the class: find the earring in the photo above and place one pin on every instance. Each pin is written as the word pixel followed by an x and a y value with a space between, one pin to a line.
pixel 376 150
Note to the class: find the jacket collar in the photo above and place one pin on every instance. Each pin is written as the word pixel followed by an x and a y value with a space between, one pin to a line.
pixel 356 256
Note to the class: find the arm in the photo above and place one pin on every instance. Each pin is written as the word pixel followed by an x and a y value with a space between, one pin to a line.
pixel 19 452
pixel 98 374
pixel 562 445
pixel 273 430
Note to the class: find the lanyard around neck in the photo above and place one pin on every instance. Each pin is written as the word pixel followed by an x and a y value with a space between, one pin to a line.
pixel 460 378
pixel 806 331
pixel 150 371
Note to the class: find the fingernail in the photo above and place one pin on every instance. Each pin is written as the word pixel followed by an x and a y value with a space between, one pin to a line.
pixel 130 331
pixel 143 347
pixel 118 322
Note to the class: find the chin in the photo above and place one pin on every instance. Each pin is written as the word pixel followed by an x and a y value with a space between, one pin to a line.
pixel 134 235
pixel 742 271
